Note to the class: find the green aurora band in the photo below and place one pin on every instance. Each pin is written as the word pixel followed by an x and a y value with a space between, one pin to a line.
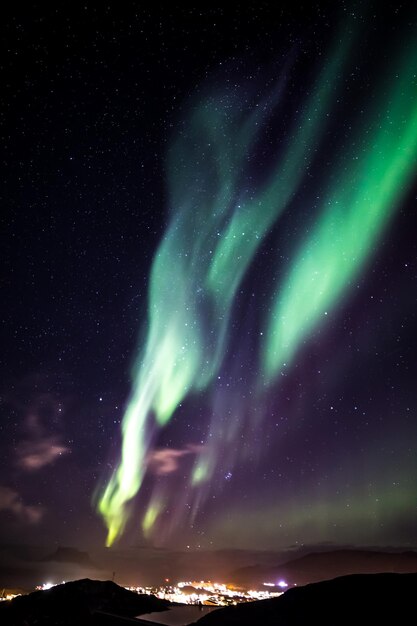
pixel 356 209
pixel 214 234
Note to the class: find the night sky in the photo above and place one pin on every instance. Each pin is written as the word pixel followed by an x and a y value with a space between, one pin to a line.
pixel 209 279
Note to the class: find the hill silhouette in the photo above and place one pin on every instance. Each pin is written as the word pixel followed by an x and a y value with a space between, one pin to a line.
pixel 76 603
pixel 70 555
pixel 356 599
pixel 318 566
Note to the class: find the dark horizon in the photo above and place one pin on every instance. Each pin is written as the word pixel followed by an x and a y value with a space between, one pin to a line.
pixel 28 567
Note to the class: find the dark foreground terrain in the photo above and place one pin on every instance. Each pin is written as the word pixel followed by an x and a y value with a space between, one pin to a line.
pixel 78 603
pixel 356 600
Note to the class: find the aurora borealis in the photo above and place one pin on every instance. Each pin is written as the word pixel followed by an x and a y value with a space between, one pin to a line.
pixel 355 211
pixel 199 265
pixel 214 235
pixel 210 283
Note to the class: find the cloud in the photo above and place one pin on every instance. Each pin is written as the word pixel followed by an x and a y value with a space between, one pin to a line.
pixel 165 461
pixel 38 449
pixel 32 455
pixel 11 501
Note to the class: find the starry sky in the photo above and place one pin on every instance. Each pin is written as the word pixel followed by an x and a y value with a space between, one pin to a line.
pixel 209 275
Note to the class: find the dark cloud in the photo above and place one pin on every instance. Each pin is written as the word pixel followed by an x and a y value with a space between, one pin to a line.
pixel 11 501
pixel 33 455
pixel 166 460
pixel 38 449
